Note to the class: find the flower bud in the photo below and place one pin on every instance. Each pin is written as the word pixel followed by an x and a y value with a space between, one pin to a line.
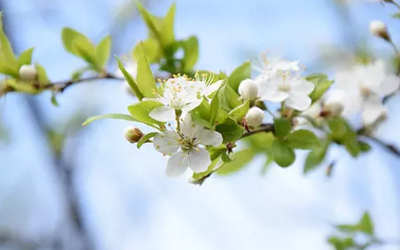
pixel 133 134
pixel 255 117
pixel 248 89
pixel 378 28
pixel 27 72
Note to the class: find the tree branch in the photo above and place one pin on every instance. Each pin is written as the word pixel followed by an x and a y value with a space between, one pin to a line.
pixel 63 85
pixel 269 127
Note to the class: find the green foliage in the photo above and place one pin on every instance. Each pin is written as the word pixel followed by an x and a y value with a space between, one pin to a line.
pixel 140 112
pixel 214 109
pixel 239 160
pixel 230 130
pixel 282 126
pixel 130 80
pixel 229 99
pixel 350 232
pixel 283 155
pixel 25 58
pixel 321 83
pixel 343 134
pixel 191 53
pixel 160 28
pixel 109 116
pixel 316 156
pixel 240 112
pixel 151 50
pixel 303 139
pixel 145 139
pixel 78 44
pixel 145 79
pixel 103 50
pixel 364 225
pixel 8 62
pixel 238 75
pixel 41 74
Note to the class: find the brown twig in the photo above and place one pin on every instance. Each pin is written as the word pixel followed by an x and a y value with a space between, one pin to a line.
pixel 269 127
pixel 63 85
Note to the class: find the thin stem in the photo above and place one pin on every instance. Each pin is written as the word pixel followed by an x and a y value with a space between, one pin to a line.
pixel 269 127
pixel 63 85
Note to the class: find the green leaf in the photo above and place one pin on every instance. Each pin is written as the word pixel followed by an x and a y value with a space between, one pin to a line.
pixel 342 244
pixel 315 157
pixel 151 50
pixel 225 157
pixel 239 112
pixel 41 74
pixel 54 100
pixel 79 45
pixel 239 160
pixel 145 138
pixel 238 75
pixel 203 110
pixel 214 109
pixel 6 51
pixel 109 116
pixel 282 127
pixel 103 51
pixel 130 80
pixel 303 139
pixel 364 147
pixel 229 99
pixel 339 128
pixel 260 142
pixel 191 53
pixel 396 15
pixel 161 29
pixel 283 155
pixel 230 130
pixel 366 225
pixel 25 58
pixel 145 79
pixel 321 83
pixel 351 144
pixel 140 112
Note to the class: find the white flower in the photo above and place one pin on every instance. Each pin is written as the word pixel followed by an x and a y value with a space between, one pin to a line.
pixel 182 94
pixel 186 147
pixel 27 72
pixel 248 89
pixel 268 67
pixel 379 29
pixel 255 117
pixel 361 89
pixel 292 89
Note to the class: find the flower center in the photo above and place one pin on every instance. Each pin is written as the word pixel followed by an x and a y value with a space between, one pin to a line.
pixel 365 91
pixel 187 144
pixel 284 87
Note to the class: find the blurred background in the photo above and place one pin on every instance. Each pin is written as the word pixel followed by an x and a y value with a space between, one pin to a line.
pixel 67 187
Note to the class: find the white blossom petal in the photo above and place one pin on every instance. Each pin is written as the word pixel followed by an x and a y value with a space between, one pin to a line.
pixel 389 85
pixel 163 114
pixel 372 110
pixel 190 129
pixel 212 87
pixel 166 142
pixel 192 105
pixel 274 96
pixel 199 160
pixel 298 100
pixel 177 164
pixel 302 85
pixel 209 137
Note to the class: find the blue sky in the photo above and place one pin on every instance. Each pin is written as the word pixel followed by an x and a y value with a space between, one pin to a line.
pixel 129 202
